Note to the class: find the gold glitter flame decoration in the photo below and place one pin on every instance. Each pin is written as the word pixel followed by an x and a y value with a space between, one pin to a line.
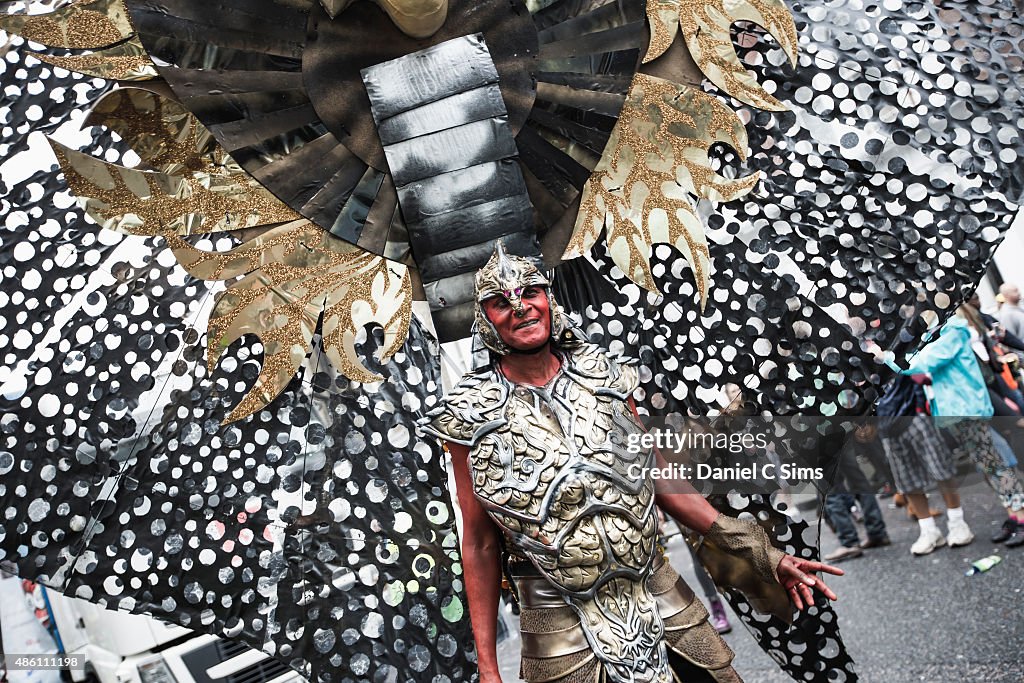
pixel 657 154
pixel 153 203
pixel 295 273
pixel 81 25
pixel 196 186
pixel 165 135
pixel 127 61
pixel 705 25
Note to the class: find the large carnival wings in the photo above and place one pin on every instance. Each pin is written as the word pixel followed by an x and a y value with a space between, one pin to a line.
pixel 269 497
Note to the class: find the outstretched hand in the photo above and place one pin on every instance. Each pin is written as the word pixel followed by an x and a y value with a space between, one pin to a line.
pixel 796 576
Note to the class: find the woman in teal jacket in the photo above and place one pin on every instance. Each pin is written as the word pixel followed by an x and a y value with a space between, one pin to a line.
pixel 960 393
pixel 957 382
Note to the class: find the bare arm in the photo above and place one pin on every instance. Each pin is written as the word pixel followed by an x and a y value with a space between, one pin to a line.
pixel 683 503
pixel 481 566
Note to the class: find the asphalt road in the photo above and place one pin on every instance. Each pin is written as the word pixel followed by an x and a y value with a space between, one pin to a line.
pixel 903 618
pixel 910 619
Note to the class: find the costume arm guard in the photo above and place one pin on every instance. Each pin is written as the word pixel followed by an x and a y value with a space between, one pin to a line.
pixel 747 540
pixel 739 556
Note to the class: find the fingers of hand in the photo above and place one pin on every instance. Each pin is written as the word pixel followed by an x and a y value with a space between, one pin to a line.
pixel 807 594
pixel 794 595
pixel 826 591
pixel 822 567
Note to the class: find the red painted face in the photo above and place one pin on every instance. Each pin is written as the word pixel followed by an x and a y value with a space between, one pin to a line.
pixel 525 329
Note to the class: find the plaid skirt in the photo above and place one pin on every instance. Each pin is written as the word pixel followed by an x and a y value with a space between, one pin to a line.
pixel 918 455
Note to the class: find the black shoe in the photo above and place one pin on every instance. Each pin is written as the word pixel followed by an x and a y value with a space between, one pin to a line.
pixel 1006 531
pixel 1017 539
pixel 876 542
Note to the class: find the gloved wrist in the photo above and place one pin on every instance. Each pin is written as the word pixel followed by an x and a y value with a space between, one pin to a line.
pixel 749 541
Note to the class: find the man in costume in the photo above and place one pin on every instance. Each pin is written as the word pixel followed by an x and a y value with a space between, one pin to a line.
pixel 539 447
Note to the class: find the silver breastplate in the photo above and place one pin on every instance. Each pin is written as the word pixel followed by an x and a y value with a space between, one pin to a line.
pixel 558 473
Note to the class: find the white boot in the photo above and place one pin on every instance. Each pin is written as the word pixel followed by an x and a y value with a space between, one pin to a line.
pixel 959 533
pixel 930 538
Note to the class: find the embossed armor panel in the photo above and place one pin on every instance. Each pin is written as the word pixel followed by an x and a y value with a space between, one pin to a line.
pixel 552 466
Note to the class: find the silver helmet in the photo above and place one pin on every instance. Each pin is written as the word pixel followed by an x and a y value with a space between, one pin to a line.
pixel 508 276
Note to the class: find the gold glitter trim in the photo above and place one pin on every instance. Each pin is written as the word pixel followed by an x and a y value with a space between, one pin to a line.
pixel 104 23
pixel 705 26
pixel 125 61
pixel 153 203
pixel 657 153
pixel 165 135
pixel 295 273
pixel 663 17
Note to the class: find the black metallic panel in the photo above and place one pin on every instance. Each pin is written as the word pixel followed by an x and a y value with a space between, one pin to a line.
pixel 337 50
pixel 409 82
pixel 189 83
pixel 609 15
pixel 606 103
pixel 290 176
pixel 619 62
pixel 377 229
pixel 349 223
pixel 449 291
pixel 217 108
pixel 450 150
pixel 467 187
pixel 472 224
pixel 468 259
pixel 465 107
pixel 272 30
pixel 257 128
pixel 591 138
pixel 448 321
pixel 613 82
pixel 451 180
pixel 560 174
pixel 325 205
pixel 619 38
pixel 174 50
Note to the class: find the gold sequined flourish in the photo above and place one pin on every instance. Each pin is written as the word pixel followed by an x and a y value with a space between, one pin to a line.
pixel 296 273
pixel 705 25
pixel 127 61
pixel 663 17
pixel 153 203
pixel 81 25
pixel 657 153
pixel 165 135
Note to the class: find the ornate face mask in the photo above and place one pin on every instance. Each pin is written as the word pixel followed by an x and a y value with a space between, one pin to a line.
pixel 508 276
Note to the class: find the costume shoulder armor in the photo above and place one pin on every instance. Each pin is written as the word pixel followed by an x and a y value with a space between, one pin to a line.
pixel 596 368
pixel 474 407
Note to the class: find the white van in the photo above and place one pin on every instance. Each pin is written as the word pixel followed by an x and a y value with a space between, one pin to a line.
pixel 118 647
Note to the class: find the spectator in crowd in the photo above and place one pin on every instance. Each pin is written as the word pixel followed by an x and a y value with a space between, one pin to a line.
pixel 919 456
pixel 994 327
pixel 960 394
pixel 852 487
pixel 1000 379
pixel 1010 313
